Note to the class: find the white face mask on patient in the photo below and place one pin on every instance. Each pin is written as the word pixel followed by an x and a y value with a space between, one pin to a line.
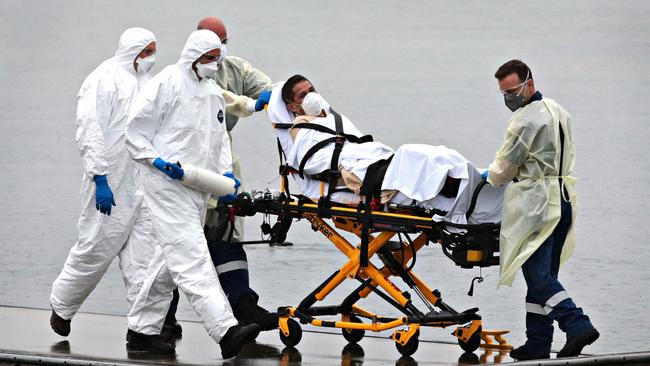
pixel 313 104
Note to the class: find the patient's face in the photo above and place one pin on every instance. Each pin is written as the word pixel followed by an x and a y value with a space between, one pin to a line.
pixel 300 90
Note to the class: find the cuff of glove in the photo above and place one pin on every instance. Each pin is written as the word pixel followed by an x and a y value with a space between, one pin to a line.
pixel 100 180
pixel 250 105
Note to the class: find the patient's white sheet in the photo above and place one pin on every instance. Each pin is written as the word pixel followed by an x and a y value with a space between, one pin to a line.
pixel 418 172
pixel 354 157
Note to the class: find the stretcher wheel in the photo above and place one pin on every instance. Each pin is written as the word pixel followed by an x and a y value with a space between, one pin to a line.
pixel 472 343
pixel 353 335
pixel 295 334
pixel 410 347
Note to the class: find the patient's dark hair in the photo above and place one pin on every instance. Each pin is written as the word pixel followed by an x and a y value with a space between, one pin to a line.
pixel 287 89
pixel 511 66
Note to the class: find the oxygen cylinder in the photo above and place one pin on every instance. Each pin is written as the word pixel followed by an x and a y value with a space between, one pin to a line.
pixel 207 181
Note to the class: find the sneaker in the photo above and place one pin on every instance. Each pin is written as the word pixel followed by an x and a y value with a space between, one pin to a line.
pixel 574 346
pixel 143 343
pixel 236 336
pixel 522 353
pixel 59 325
pixel 248 312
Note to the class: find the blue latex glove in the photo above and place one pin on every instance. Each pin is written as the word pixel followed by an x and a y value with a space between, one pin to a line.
pixel 173 171
pixel 230 197
pixel 232 176
pixel 262 100
pixel 103 195
pixel 484 175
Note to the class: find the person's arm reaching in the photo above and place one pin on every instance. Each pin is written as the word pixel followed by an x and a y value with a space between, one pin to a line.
pixel 511 155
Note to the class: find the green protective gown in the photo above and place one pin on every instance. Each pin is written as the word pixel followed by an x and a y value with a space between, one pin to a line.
pixel 531 210
pixel 239 77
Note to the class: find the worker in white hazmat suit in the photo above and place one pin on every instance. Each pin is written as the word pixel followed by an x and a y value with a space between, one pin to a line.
pixel 246 90
pixel 179 117
pixel 537 235
pixel 111 197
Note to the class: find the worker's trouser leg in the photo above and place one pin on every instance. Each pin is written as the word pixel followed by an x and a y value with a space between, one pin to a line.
pixel 101 238
pixel 230 261
pixel 546 299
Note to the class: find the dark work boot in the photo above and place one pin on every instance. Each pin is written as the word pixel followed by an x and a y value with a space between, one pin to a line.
pixel 574 346
pixel 248 312
pixel 152 344
pixel 236 337
pixel 171 330
pixel 522 353
pixel 59 325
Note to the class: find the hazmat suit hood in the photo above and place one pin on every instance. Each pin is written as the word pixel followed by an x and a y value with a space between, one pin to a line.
pixel 132 42
pixel 198 43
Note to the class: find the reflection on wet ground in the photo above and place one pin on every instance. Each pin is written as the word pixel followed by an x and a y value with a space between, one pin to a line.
pixel 100 337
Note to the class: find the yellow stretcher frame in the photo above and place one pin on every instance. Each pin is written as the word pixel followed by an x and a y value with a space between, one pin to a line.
pixel 469 334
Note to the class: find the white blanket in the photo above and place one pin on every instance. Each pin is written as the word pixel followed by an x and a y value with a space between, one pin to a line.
pixel 418 172
pixel 354 157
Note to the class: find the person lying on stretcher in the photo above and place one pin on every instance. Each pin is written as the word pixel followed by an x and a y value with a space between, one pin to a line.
pixel 421 175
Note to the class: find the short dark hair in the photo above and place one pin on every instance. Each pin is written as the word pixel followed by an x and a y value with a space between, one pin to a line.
pixel 516 66
pixel 287 88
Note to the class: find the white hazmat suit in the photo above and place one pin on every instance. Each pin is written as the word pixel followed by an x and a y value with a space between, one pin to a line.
pixel 105 98
pixel 178 117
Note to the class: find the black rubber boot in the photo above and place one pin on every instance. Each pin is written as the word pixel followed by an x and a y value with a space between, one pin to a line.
pixel 522 353
pixel 59 325
pixel 236 337
pixel 248 312
pixel 574 346
pixel 151 344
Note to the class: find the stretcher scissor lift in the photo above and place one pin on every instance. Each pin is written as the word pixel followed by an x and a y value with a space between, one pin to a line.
pixel 477 245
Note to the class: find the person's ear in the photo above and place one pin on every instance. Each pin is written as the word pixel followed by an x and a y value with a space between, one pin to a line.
pixel 292 107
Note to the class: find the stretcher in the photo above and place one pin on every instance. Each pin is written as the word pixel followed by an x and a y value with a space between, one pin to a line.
pixel 377 228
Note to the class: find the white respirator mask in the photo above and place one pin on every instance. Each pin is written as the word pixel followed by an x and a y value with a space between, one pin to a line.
pixel 313 104
pixel 145 64
pixel 208 70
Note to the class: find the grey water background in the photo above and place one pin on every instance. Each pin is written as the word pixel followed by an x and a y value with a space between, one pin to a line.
pixel 407 72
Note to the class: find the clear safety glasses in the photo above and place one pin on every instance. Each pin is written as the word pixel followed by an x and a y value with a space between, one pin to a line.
pixel 517 88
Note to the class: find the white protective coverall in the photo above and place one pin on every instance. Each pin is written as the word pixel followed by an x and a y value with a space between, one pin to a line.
pixel 105 98
pixel 531 153
pixel 180 118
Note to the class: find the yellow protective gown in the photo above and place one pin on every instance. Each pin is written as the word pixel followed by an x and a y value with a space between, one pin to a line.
pixel 531 154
